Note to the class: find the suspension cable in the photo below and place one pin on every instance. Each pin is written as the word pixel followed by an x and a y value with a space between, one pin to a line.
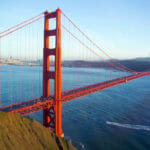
pixel 92 50
pixel 130 70
pixel 21 23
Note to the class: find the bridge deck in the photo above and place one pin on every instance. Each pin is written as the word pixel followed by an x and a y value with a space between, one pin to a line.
pixel 34 105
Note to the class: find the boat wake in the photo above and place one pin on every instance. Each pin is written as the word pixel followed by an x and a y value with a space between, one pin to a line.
pixel 129 126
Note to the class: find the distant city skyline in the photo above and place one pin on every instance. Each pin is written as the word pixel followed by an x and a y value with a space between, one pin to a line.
pixel 122 28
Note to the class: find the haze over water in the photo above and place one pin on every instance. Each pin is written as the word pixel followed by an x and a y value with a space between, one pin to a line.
pixel 86 120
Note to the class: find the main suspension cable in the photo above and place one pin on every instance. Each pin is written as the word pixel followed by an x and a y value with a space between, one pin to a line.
pixel 21 23
pixel 130 70
pixel 92 50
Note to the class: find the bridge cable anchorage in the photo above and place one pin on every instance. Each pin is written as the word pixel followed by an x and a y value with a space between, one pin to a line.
pixel 129 70
pixel 118 68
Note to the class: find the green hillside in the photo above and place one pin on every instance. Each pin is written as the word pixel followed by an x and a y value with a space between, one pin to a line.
pixel 24 133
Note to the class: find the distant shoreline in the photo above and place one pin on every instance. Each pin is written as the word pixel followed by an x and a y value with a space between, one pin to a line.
pixel 134 64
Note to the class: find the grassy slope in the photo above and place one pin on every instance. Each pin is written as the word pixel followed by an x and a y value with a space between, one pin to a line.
pixel 23 133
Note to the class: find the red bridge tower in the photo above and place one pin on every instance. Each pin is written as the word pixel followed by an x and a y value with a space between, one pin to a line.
pixel 52 114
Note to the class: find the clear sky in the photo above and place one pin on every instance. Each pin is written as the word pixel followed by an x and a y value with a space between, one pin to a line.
pixel 121 27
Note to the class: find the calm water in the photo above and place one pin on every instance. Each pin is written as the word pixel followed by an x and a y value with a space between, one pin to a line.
pixel 84 119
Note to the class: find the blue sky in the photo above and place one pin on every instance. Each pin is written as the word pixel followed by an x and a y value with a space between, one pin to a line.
pixel 121 27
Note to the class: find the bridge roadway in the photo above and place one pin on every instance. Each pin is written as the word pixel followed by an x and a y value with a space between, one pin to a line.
pixel 37 104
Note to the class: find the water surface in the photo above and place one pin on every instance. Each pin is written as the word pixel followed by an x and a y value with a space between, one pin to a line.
pixel 84 120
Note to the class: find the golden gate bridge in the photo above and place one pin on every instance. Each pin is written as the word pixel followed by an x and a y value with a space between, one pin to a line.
pixel 24 45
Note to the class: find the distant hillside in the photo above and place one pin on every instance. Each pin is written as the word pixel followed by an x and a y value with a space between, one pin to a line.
pixel 24 133
pixel 143 59
pixel 137 65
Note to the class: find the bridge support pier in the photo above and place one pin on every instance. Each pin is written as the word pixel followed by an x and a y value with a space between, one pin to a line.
pixel 52 114
pixel 49 118
pixel 52 118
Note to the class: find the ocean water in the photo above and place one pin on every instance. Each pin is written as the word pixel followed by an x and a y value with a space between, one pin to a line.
pixel 117 118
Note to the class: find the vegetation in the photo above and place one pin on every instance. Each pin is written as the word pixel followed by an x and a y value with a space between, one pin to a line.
pixel 24 133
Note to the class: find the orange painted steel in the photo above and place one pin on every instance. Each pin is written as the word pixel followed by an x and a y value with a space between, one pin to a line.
pixel 58 102
pixel 35 105
pixel 52 104
pixel 46 83
pixel 52 113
